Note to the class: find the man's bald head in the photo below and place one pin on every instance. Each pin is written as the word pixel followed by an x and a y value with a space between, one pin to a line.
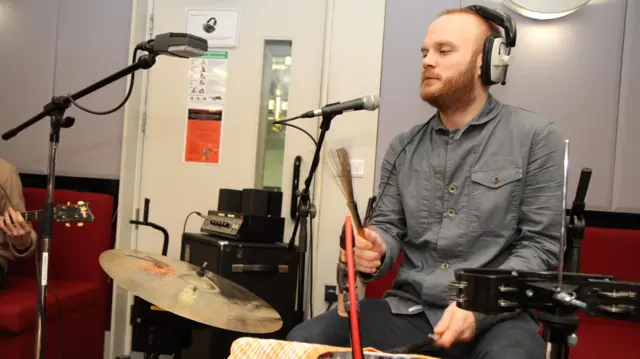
pixel 451 58
pixel 479 26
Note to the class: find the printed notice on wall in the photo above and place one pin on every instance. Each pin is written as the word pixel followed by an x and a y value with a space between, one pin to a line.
pixel 205 107
pixel 204 135
pixel 218 26
pixel 208 79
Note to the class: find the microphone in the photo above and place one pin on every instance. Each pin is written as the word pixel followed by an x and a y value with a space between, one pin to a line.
pixel 368 102
pixel 176 44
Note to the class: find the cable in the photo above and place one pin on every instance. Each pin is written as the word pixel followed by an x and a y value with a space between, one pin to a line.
pixel 126 98
pixel 290 119
pixel 311 271
pixel 393 167
pixel 184 228
pixel 60 326
pixel 298 128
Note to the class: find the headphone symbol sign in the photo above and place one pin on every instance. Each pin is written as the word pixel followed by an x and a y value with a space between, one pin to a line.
pixel 210 25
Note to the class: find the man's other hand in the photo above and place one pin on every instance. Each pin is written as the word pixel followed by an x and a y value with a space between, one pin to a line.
pixel 17 229
pixel 456 325
pixel 369 251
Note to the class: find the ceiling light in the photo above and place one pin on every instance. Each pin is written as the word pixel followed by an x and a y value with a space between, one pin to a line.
pixel 545 9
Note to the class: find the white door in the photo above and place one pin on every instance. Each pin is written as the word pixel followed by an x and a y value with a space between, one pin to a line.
pixel 274 71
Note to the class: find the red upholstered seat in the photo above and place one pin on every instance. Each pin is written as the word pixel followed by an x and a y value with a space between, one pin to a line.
pixel 19 301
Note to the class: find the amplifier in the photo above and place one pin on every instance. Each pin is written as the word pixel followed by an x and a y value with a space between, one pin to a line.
pixel 248 228
pixel 269 270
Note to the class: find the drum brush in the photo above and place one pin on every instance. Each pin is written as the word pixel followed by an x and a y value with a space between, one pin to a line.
pixel 340 164
pixel 417 347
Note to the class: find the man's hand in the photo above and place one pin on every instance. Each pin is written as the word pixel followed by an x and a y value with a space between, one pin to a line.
pixel 17 229
pixel 456 325
pixel 369 251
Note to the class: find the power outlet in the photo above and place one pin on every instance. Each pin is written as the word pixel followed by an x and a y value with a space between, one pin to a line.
pixel 357 167
pixel 330 293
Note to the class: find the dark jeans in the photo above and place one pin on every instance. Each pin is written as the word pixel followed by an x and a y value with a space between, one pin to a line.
pixel 383 330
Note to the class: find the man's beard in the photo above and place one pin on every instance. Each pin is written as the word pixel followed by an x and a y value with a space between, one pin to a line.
pixel 454 93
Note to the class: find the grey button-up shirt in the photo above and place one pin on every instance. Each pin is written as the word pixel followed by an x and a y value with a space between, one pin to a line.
pixel 486 195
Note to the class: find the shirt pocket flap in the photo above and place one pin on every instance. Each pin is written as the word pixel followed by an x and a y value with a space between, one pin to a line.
pixel 496 178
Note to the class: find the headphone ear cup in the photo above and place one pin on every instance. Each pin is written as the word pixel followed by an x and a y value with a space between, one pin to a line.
pixel 487 51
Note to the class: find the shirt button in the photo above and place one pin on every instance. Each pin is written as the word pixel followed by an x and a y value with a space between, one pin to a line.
pixel 495 179
pixel 445 266
pixel 451 212
pixel 452 189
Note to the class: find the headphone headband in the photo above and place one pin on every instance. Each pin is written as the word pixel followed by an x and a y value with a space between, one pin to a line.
pixel 499 18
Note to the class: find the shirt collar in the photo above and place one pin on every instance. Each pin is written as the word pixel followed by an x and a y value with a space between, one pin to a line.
pixel 490 110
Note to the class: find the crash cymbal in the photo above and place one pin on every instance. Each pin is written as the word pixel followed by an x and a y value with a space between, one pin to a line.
pixel 177 287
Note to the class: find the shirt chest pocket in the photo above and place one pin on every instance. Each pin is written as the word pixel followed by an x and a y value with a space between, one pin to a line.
pixel 494 196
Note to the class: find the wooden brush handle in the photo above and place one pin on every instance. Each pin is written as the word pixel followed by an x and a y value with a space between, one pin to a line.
pixel 341 308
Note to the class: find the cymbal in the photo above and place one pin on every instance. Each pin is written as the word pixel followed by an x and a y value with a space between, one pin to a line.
pixel 175 286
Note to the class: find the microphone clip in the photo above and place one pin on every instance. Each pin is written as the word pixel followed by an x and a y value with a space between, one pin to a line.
pixel 146 46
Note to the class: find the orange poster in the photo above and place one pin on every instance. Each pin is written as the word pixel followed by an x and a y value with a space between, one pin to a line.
pixel 204 134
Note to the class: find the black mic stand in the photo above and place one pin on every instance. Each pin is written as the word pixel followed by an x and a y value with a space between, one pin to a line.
pixel 306 209
pixel 55 110
pixel 559 328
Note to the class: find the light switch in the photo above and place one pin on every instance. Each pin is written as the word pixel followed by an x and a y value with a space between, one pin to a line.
pixel 357 168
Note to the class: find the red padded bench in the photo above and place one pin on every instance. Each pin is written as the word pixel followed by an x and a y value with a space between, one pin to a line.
pixel 604 251
pixel 75 277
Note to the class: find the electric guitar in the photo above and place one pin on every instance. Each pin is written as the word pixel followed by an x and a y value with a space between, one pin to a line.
pixel 65 213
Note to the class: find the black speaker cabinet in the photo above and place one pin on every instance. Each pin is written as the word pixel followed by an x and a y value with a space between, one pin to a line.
pixel 269 270
pixel 230 200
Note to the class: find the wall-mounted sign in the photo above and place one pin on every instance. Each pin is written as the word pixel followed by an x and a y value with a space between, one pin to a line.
pixel 545 9
pixel 218 26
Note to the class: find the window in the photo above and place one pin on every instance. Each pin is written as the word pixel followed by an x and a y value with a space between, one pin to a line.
pixel 274 105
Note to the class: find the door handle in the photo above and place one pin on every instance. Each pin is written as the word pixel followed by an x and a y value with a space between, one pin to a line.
pixel 295 187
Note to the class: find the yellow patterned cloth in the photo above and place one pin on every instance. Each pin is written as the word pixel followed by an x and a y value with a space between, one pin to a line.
pixel 255 348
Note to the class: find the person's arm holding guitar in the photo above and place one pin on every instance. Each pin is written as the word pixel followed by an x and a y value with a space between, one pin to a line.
pixel 19 234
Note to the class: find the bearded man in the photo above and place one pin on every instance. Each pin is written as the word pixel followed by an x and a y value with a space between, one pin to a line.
pixel 479 185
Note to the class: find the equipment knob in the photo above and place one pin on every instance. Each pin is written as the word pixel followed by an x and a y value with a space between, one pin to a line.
pixel 572 340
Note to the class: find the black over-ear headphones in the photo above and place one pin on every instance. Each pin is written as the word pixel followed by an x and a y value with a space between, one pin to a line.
pixel 497 49
pixel 209 27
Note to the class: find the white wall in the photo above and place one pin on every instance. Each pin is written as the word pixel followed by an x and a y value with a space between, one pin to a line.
pixel 354 65
pixel 58 47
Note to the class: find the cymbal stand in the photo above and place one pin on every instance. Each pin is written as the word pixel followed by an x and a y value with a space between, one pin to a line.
pixel 162 337
pixel 145 222
pixel 576 224
pixel 559 328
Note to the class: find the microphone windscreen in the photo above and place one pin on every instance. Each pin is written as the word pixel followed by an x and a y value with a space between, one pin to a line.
pixel 371 102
